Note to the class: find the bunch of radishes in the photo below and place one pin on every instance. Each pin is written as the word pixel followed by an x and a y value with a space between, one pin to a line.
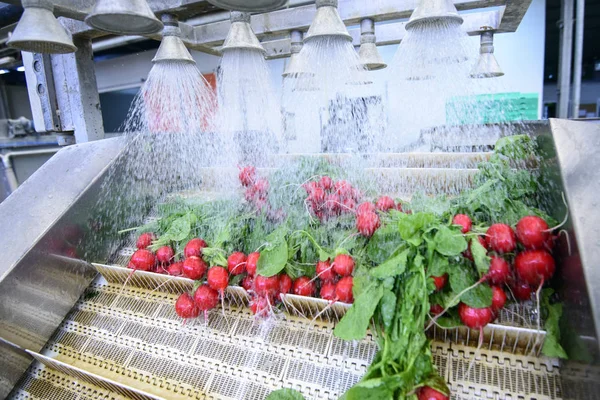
pixel 367 220
pixel 328 198
pixel 336 278
pixel 520 259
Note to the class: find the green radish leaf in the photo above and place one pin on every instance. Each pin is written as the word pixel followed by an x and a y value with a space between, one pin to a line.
pixel 388 307
pixel 197 284
pixel 552 347
pixel 392 267
pixel 461 277
pixel 353 326
pixel 439 265
pixel 272 260
pixel 449 242
pixel 285 394
pixel 410 226
pixel 324 255
pixel 384 243
pixel 478 297
pixel 482 261
pixel 236 279
pixel 372 389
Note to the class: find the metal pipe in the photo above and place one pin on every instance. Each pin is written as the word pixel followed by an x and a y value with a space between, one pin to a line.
pixel 577 63
pixel 565 57
pixel 11 177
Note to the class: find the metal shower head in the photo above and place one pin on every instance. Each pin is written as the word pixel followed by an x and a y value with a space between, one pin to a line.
pixel 38 31
pixel 327 22
pixel 429 10
pixel 171 47
pixel 124 17
pixel 368 54
pixel 249 6
pixel 241 35
pixel 296 66
pixel 487 66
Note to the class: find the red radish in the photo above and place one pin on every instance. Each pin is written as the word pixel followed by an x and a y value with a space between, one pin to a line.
pixel 217 278
pixel 304 287
pixel 348 204
pixel 467 253
pixel 145 240
pixel 194 268
pixel 175 269
pixel 498 298
pixel 264 286
pixel 343 265
pixel 365 207
pixel 70 252
pixel 343 290
pixel 499 271
pixel 326 182
pixel 317 197
pixel 206 298
pixel 464 221
pixel 143 260
pixel 185 306
pixel 367 223
pixel 521 290
pixel 164 254
pixel 261 186
pixel 475 318
pixel 532 232
pixel 250 194
pixel 236 263
pixel 399 206
pixel 194 248
pixel 332 204
pixel 343 189
pixel 259 306
pixel 357 195
pixel 501 238
pixel 285 284
pixel 534 266
pixel 310 187
pixel 325 271
pixel 385 203
pixel 429 393
pixel 436 309
pixel 160 269
pixel 247 175
pixel 328 291
pixel 440 281
pixel 248 282
pixel 251 263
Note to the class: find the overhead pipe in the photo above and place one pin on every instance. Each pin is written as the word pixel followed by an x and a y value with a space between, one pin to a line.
pixel 577 63
pixel 565 57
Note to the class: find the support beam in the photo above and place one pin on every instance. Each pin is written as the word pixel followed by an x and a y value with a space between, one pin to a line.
pixel 513 15
pixel 565 58
pixel 577 63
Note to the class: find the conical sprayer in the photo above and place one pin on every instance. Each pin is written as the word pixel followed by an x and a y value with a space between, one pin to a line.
pixel 487 66
pixel 327 22
pixel 296 66
pixel 241 35
pixel 124 17
pixel 171 47
pixel 368 53
pixel 430 10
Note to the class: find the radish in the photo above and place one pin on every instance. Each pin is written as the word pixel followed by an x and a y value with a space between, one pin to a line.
pixel 343 189
pixel 206 298
pixel 266 286
pixel 343 265
pixel 164 254
pixel 260 306
pixel 385 203
pixel 194 268
pixel 436 309
pixel 534 266
pixel 498 298
pixel 440 281
pixel 332 204
pixel 317 197
pixel 145 240
pixel 142 260
pixel 326 182
pixel 247 175
pixel 303 286
pixel 328 291
pixel 218 279
pixel 365 207
pixel 501 238
pixel 261 187
pixel 499 271
pixel 285 284
pixel 348 204
pixel 310 187
pixel 532 232
pixel 521 290
pixel 429 393
pixel 194 248
pixel 463 221
pixel 357 195
pixel 475 318
pixel 251 262
pixel 367 223
pixel 175 269
pixel 325 271
pixel 343 290
pixel 399 206
pixel 186 307
pixel 236 263
pixel 248 282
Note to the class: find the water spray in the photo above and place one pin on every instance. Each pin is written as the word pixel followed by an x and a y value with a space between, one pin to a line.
pixel 487 66
pixel 368 53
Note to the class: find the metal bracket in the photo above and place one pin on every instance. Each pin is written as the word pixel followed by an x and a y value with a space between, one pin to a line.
pixel 43 89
